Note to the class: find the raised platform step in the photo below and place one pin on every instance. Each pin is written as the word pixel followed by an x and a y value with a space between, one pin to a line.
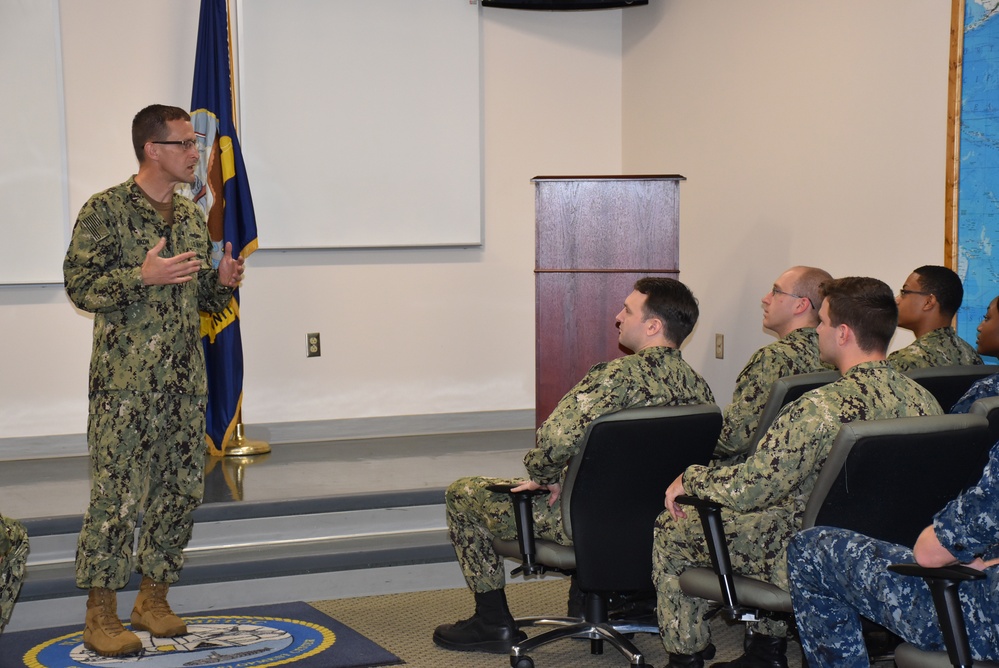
pixel 307 522
pixel 258 540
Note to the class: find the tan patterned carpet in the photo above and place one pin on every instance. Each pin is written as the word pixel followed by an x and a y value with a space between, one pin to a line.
pixel 404 624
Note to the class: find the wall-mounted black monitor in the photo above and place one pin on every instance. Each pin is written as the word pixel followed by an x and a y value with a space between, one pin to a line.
pixel 562 5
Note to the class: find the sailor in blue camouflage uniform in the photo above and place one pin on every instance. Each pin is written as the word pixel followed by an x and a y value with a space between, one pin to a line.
pixel 13 555
pixel 987 344
pixel 764 498
pixel 927 302
pixel 656 318
pixel 838 576
pixel 139 260
pixel 791 310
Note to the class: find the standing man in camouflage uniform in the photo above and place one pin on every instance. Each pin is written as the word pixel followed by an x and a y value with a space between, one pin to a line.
pixel 139 260
pixel 927 302
pixel 765 497
pixel 837 576
pixel 791 310
pixel 656 318
pixel 13 555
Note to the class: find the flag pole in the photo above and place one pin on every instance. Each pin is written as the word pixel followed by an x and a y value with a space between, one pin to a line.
pixel 222 191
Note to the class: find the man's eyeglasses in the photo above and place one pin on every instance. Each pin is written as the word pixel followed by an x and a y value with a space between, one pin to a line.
pixel 903 292
pixel 186 144
pixel 777 291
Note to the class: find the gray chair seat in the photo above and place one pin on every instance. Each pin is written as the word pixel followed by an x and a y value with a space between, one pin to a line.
pixel 907 656
pixel 703 583
pixel 549 553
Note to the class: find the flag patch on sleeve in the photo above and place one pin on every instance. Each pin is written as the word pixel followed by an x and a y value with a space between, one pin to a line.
pixel 95 226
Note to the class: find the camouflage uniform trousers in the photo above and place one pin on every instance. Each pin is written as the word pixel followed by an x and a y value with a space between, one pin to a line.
pixel 837 575
pixel 475 515
pixel 11 566
pixel 139 440
pixel 755 542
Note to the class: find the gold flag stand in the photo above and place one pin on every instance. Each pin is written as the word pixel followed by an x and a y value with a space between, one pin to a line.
pixel 241 446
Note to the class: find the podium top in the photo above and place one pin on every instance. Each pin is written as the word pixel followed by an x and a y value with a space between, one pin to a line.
pixel 625 177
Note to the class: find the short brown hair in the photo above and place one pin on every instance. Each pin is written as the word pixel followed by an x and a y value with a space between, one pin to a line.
pixel 867 306
pixel 150 124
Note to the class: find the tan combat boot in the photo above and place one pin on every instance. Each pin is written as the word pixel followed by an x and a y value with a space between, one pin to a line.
pixel 104 633
pixel 152 613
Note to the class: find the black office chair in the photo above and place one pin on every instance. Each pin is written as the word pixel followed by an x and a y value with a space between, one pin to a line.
pixel 949 383
pixel 883 478
pixel 613 493
pixel 943 583
pixel 784 391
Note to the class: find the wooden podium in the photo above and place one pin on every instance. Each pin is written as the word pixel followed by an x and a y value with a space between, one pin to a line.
pixel 595 236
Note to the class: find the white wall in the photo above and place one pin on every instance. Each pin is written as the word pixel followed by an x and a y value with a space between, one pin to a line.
pixel 810 133
pixel 404 331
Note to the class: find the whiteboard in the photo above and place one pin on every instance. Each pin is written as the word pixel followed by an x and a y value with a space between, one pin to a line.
pixel 33 195
pixel 360 122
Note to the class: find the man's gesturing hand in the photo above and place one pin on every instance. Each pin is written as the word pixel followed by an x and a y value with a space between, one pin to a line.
pixel 158 270
pixel 230 268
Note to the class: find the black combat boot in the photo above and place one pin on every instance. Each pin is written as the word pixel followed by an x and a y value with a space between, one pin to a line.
pixel 761 652
pixel 695 660
pixel 491 629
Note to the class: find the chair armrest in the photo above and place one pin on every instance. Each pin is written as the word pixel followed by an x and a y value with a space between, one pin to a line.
pixel 525 523
pixel 943 583
pixel 714 534
pixel 955 572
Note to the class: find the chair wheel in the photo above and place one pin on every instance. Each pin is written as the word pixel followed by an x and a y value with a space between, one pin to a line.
pixel 521 662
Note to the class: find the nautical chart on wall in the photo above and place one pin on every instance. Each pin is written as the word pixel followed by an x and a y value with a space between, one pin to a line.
pixel 973 147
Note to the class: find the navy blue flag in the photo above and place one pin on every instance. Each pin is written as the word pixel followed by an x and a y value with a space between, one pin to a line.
pixel 223 193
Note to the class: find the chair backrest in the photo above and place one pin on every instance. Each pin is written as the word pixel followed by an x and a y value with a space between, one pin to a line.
pixel 615 488
pixel 949 383
pixel 988 407
pixel 887 478
pixel 784 391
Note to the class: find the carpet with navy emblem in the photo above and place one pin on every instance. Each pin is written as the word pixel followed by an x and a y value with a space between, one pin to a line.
pixel 296 635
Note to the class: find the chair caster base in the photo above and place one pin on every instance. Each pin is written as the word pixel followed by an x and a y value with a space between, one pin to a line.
pixel 521 662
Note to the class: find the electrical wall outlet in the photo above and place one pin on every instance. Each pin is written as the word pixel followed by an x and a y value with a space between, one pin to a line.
pixel 719 346
pixel 312 349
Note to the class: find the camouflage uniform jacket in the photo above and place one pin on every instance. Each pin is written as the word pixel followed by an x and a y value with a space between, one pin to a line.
pixel 798 352
pixel 4 538
pixel 147 338
pixel 941 347
pixel 968 526
pixel 656 376
pixel 778 478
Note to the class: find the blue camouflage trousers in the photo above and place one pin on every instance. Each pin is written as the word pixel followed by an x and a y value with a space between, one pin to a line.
pixel 475 515
pixel 147 454
pixel 837 576
pixel 11 566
